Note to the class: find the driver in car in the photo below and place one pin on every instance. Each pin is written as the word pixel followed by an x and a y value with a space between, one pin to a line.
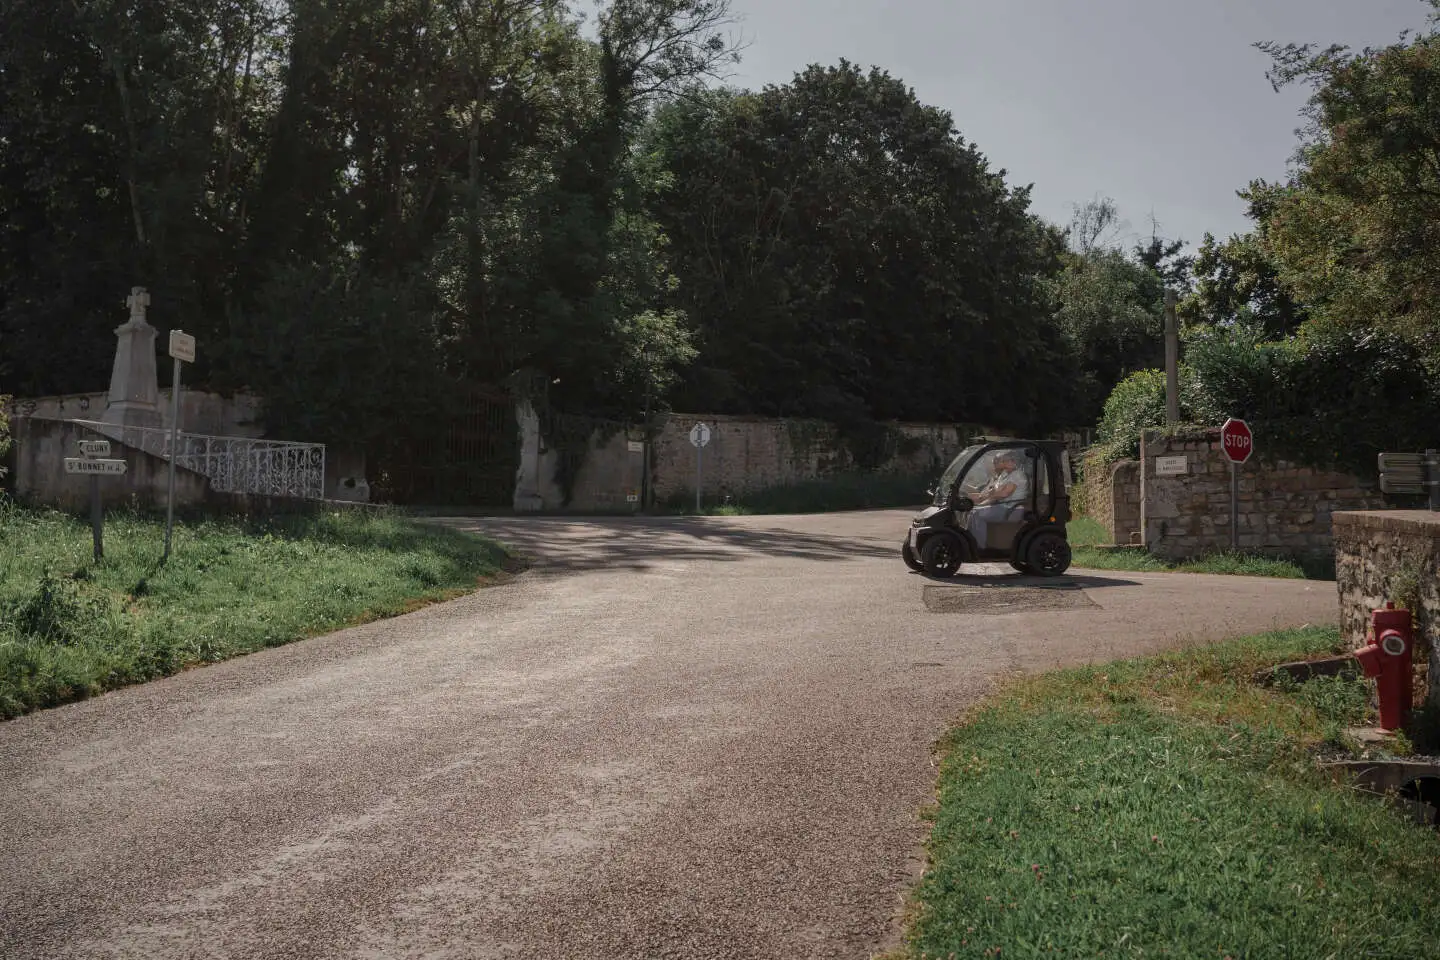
pixel 1008 488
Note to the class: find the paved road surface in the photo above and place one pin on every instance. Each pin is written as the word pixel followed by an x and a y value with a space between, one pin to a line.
pixel 697 739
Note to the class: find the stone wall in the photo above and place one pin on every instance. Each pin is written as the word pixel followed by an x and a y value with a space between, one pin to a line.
pixel 1284 508
pixel 1123 499
pixel 39 453
pixel 1391 555
pixel 209 414
pixel 744 454
pixel 749 453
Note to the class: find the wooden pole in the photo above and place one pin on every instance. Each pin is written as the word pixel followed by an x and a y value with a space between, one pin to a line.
pixel 1172 361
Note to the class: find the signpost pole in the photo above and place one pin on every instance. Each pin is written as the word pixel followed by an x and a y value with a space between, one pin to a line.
pixel 182 349
pixel 1234 507
pixel 174 449
pixel 97 518
pixel 699 453
pixel 1237 442
pixel 1432 477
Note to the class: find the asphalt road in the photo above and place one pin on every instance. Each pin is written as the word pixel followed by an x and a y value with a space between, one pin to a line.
pixel 672 738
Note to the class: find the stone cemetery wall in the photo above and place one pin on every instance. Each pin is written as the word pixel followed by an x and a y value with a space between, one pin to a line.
pixel 747 454
pixel 209 414
pixel 39 452
pixel 1391 555
pixel 744 454
pixel 1284 508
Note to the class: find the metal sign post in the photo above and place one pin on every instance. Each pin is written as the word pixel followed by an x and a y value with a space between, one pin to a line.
pixel 1237 442
pixel 182 348
pixel 699 436
pixel 92 463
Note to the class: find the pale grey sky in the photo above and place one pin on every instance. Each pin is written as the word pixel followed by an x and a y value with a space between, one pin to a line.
pixel 1162 105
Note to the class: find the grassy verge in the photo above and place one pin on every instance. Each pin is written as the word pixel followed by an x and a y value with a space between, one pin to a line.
pixel 70 628
pixel 1168 807
pixel 1089 543
pixel 845 491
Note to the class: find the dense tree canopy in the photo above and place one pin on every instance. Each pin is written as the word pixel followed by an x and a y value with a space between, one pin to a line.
pixel 1321 324
pixel 845 253
pixel 361 206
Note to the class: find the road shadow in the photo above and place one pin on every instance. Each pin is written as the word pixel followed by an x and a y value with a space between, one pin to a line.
pixel 1002 581
pixel 568 544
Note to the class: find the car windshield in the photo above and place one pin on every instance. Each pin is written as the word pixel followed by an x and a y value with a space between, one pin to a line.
pixel 952 473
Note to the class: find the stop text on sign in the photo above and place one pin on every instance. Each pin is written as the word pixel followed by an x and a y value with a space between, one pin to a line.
pixel 1236 440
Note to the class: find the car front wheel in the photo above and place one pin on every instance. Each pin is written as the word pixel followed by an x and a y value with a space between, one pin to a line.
pixel 940 555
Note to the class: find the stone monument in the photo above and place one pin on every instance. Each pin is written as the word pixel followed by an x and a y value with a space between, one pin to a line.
pixel 134 390
pixel 527 497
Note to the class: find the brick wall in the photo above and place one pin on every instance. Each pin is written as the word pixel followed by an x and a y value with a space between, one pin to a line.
pixel 1384 555
pixel 1283 507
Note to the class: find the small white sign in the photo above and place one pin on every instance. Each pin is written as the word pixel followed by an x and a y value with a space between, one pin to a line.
pixel 700 434
pixel 90 449
pixel 632 498
pixel 182 346
pixel 103 467
pixel 636 446
pixel 1171 466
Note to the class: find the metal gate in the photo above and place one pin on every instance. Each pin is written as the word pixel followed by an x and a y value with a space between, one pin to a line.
pixel 468 458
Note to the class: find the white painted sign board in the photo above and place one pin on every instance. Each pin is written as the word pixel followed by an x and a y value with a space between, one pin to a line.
pixel 90 449
pixel 700 434
pixel 182 346
pixel 636 446
pixel 1171 466
pixel 87 465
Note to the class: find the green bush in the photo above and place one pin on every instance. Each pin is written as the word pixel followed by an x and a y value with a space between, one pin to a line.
pixel 4 433
pixel 1138 403
pixel 1328 399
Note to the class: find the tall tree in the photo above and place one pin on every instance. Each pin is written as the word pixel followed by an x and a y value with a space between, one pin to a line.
pixel 844 253
pixel 1354 233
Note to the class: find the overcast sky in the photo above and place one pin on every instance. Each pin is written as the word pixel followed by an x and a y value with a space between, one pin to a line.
pixel 1161 104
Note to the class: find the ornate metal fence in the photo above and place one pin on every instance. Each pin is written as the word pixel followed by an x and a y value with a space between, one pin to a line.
pixel 272 468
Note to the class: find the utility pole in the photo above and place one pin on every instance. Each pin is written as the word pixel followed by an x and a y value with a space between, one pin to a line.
pixel 1172 361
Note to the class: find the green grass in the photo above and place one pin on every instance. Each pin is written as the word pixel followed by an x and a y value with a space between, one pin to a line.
pixel 70 629
pixel 844 491
pixel 1169 807
pixel 1089 545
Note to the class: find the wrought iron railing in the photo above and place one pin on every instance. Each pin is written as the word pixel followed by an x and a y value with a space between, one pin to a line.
pixel 272 468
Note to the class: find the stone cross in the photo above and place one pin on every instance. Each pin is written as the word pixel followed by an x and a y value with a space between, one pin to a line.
pixel 138 300
pixel 134 393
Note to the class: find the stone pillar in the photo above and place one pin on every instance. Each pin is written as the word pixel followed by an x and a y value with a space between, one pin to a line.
pixel 527 478
pixel 134 392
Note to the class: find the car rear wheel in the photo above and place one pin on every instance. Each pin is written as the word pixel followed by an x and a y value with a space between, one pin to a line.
pixel 1048 555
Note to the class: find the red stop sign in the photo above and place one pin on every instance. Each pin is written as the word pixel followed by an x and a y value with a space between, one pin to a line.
pixel 1236 440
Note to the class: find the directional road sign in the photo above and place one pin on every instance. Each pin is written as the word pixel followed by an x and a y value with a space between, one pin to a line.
pixel 101 467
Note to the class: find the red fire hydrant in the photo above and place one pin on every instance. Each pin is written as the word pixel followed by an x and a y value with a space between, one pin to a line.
pixel 1389 658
